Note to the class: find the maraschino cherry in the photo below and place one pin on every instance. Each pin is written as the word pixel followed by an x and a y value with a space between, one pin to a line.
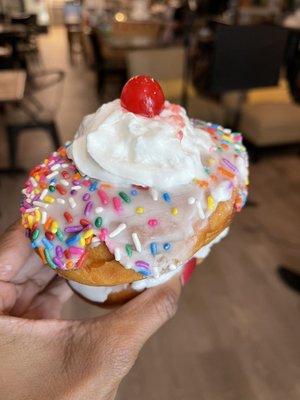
pixel 143 95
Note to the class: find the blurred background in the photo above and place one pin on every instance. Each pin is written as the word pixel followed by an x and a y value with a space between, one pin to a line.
pixel 231 62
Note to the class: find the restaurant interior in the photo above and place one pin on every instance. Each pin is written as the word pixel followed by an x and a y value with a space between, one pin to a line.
pixel 235 63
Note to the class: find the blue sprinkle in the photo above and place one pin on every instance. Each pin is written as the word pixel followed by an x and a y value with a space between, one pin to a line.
pixel 47 244
pixel 153 248
pixel 167 246
pixel 166 197
pixel 34 244
pixel 144 271
pixel 93 186
pixel 133 192
pixel 72 240
pixel 53 180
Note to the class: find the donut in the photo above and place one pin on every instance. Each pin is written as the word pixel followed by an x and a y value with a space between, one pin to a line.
pixel 139 191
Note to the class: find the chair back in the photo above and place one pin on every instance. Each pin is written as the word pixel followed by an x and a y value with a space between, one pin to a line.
pixel 165 63
pixel 24 19
pixel 246 57
pixel 144 29
pixel 44 92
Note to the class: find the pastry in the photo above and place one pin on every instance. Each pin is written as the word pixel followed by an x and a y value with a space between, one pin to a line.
pixel 139 191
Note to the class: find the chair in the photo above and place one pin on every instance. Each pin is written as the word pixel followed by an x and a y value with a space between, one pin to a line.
pixel 138 29
pixel 107 63
pixel 257 52
pixel 29 42
pixel 36 110
pixel 244 59
pixel 166 64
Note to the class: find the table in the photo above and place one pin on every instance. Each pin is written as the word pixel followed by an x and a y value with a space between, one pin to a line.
pixel 12 85
pixel 12 88
pixel 12 29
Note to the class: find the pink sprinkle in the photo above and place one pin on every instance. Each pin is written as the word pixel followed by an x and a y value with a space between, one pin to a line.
pixel 103 197
pixel 86 182
pixel 117 204
pixel 103 234
pixel 152 222
pixel 76 250
pixel 238 138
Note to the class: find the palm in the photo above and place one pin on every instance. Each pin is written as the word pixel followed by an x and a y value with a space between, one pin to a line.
pixel 27 288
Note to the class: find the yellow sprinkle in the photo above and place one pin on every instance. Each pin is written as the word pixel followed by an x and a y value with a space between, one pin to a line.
pixel 54 227
pixel 37 215
pixel 37 191
pixel 88 233
pixel 227 137
pixel 82 242
pixel 49 199
pixel 211 161
pixel 247 181
pixel 210 203
pixel 174 211
pixel 30 220
pixel 139 210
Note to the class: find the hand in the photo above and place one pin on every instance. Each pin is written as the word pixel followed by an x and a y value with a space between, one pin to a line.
pixel 56 359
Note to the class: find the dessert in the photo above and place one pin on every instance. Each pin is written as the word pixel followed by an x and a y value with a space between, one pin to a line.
pixel 140 191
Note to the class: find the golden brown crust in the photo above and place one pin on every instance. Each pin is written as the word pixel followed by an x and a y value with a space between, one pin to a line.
pixel 101 269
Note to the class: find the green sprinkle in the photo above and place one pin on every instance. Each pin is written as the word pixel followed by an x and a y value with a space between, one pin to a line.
pixel 35 234
pixel 60 235
pixel 125 197
pixel 98 222
pixel 49 259
pixel 128 249
pixel 52 188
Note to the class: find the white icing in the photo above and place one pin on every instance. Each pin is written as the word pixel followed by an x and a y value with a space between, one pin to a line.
pixel 99 294
pixel 117 146
pixel 222 191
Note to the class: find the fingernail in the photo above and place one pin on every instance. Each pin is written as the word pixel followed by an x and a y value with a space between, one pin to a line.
pixel 188 270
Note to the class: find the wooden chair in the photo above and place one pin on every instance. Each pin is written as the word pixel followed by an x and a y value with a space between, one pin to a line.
pixel 36 111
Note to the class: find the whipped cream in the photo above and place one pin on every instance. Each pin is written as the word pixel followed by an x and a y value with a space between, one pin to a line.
pixel 120 147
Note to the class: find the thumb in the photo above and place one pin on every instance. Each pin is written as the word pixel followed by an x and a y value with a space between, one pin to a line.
pixel 107 347
pixel 145 314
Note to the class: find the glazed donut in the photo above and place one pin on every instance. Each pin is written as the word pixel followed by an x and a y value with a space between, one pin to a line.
pixel 136 195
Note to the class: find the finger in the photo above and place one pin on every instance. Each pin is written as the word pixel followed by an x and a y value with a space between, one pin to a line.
pixel 144 315
pixel 29 288
pixel 14 251
pixel 48 304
